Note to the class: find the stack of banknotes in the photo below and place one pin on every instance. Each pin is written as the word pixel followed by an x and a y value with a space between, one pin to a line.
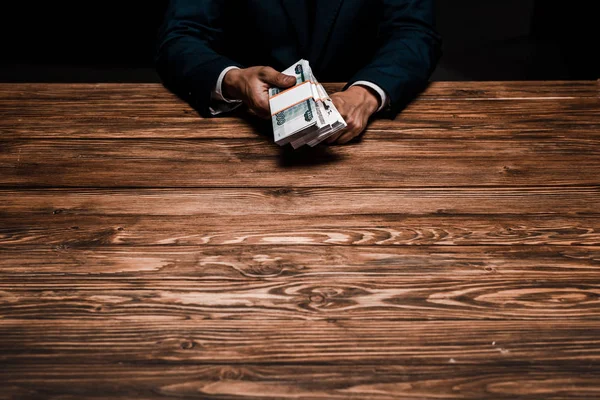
pixel 304 113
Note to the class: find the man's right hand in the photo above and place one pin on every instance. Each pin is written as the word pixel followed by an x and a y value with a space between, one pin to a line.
pixel 251 85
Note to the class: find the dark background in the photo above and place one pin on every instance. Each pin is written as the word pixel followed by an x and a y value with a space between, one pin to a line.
pixel 104 41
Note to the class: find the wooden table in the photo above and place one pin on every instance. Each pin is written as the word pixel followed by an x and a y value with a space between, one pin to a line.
pixel 146 253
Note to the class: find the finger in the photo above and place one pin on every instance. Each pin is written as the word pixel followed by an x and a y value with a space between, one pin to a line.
pixel 258 111
pixel 261 113
pixel 258 102
pixel 275 78
pixel 351 127
pixel 263 109
pixel 348 136
pixel 333 138
pixel 339 104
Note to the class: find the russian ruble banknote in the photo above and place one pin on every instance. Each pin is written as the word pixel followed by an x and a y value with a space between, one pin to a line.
pixel 304 113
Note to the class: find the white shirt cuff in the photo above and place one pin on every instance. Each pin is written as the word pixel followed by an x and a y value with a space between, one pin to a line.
pixel 219 104
pixel 382 94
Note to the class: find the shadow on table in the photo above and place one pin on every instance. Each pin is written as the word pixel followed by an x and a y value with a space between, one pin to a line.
pixel 305 156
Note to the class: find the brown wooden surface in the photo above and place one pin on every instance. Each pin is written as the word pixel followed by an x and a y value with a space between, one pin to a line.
pixel 148 253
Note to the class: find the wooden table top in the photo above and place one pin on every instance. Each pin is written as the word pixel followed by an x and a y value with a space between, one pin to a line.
pixel 147 253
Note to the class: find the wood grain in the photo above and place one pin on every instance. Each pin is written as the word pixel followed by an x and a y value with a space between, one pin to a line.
pixel 257 283
pixel 181 340
pixel 148 253
pixel 231 263
pixel 511 89
pixel 581 201
pixel 436 90
pixel 447 110
pixel 70 231
pixel 137 111
pixel 78 218
pixel 530 381
pixel 242 163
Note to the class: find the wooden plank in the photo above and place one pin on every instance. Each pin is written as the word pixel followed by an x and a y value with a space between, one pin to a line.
pixel 243 163
pixel 83 231
pixel 449 109
pixel 450 119
pixel 408 125
pixel 124 381
pixel 436 90
pixel 509 119
pixel 542 201
pixel 511 89
pixel 175 339
pixel 335 216
pixel 233 263
pixel 302 283
pixel 367 300
pixel 134 111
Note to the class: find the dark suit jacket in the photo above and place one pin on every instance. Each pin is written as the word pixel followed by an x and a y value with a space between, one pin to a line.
pixel 391 43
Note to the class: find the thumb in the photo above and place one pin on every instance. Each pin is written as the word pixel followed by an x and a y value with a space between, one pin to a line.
pixel 278 79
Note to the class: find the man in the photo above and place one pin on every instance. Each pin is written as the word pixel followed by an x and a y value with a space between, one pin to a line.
pixel 218 54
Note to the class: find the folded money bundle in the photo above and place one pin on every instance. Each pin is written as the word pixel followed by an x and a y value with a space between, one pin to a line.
pixel 304 113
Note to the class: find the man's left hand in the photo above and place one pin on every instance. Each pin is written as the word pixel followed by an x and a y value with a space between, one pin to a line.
pixel 356 104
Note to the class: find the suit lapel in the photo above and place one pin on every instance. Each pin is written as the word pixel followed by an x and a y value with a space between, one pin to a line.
pixel 298 16
pixel 327 13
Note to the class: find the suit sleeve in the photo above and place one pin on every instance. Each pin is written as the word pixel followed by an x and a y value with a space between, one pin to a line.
pixel 188 60
pixel 407 53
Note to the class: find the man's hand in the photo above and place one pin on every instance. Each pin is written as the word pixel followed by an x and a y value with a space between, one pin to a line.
pixel 356 105
pixel 251 85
